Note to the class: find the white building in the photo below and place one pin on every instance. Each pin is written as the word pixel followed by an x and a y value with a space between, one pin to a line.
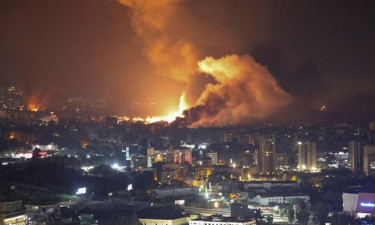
pixel 265 201
pixel 177 221
pixel 170 155
pixel 361 204
pixel 213 220
pixel 213 156
pixel 49 147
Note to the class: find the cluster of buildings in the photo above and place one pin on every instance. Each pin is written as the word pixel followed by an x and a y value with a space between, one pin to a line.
pixel 359 203
pixel 362 157
pixel 13 213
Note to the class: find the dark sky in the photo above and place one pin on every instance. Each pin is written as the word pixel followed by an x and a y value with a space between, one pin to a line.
pixel 321 52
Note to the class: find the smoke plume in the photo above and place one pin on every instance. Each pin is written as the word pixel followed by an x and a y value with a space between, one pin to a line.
pixel 173 58
pixel 241 90
pixel 245 92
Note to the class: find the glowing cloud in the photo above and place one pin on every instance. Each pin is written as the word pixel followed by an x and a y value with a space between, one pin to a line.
pixel 245 92
pixel 175 59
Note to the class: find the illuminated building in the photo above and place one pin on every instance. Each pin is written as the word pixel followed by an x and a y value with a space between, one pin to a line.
pixel 213 156
pixel 266 156
pixel 282 161
pixel 360 204
pixel 127 153
pixel 51 118
pixel 176 221
pixel 265 200
pixel 48 147
pixel 138 162
pixel 166 176
pixel 220 220
pixel 170 155
pixel 356 156
pixel 369 160
pixel 12 213
pixel 307 156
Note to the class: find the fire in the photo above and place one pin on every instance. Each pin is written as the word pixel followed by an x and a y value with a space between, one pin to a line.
pixel 244 90
pixel 33 107
pixel 171 116
pixel 37 101
pixel 167 118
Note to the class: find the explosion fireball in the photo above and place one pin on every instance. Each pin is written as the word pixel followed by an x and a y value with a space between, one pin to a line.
pixel 244 91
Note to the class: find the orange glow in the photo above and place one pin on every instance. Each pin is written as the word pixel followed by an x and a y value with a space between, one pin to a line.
pixel 33 107
pixel 244 91
pixel 153 119
pixel 171 116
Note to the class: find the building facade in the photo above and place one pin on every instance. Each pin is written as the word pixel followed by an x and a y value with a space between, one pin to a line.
pixel 356 156
pixel 218 220
pixel 369 160
pixel 307 156
pixel 359 203
pixel 12 213
pixel 266 156
pixel 177 221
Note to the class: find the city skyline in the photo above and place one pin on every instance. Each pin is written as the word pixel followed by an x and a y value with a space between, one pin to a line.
pixel 316 56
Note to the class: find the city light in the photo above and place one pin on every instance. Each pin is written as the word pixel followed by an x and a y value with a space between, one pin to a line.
pixel 81 191
pixel 368 204
pixel 246 110
pixel 115 166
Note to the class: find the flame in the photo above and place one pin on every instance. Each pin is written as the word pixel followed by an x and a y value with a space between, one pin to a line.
pixel 34 107
pixel 243 91
pixel 37 101
pixel 167 118
pixel 171 116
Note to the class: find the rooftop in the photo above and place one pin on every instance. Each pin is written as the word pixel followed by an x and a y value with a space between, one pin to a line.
pixel 220 218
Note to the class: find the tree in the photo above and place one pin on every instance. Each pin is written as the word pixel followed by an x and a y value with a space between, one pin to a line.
pixel 302 213
pixel 258 215
pixel 302 216
pixel 132 220
pixel 290 215
pixel 103 170
pixel 320 210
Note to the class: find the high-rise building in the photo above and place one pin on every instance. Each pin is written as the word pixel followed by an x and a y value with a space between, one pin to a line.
pixel 285 143
pixel 356 156
pixel 266 161
pixel 369 160
pixel 307 156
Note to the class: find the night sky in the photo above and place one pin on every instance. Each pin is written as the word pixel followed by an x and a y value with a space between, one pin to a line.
pixel 320 52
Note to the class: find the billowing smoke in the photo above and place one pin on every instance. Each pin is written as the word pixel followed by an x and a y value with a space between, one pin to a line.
pixel 174 58
pixel 37 101
pixel 241 90
pixel 245 92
